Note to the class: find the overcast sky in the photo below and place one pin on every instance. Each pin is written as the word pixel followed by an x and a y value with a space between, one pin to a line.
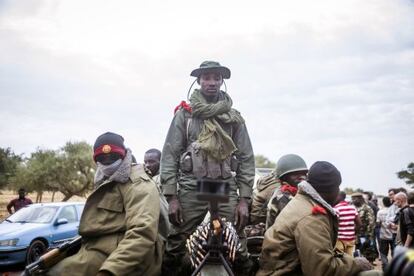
pixel 328 80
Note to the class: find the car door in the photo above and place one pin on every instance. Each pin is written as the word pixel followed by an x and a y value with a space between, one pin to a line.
pixel 69 228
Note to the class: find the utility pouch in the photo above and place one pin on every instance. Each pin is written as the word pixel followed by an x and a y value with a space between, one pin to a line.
pixel 186 164
pixel 234 163
pixel 226 168
pixel 201 165
pixel 198 159
pixel 213 168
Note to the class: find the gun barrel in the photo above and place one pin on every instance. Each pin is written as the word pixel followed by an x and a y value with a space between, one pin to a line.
pixel 52 257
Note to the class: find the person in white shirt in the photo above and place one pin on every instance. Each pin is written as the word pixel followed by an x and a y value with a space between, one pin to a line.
pixel 391 216
pixel 386 238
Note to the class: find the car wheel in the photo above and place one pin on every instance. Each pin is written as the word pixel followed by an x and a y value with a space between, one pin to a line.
pixel 36 249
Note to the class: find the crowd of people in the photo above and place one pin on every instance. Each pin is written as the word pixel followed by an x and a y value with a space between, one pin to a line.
pixel 365 228
pixel 139 218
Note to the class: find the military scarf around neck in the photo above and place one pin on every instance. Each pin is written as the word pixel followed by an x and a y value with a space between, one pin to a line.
pixel 213 140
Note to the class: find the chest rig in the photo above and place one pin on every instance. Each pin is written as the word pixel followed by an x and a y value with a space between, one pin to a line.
pixel 194 160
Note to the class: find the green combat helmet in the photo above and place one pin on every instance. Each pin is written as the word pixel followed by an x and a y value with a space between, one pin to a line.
pixel 290 163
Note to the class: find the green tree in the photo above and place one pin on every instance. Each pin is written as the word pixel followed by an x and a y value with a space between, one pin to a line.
pixel 9 162
pixel 37 173
pixel 407 175
pixel 76 170
pixel 69 170
pixel 263 162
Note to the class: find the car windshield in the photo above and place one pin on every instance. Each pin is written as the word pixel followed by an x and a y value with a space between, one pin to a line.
pixel 34 214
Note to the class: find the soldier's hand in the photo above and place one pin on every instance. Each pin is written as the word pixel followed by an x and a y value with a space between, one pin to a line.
pixel 242 214
pixel 174 211
pixel 363 263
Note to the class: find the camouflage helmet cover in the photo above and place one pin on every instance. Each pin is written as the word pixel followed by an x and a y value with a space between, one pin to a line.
pixel 290 163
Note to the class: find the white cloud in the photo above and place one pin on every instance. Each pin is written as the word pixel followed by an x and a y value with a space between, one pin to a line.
pixel 327 80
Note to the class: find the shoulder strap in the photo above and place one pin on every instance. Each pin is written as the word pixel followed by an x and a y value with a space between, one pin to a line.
pixel 188 127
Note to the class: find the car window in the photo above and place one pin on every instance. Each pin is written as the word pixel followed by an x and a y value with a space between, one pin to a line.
pixel 79 208
pixel 34 214
pixel 69 213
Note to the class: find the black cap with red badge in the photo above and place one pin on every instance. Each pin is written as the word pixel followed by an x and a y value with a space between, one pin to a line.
pixel 109 142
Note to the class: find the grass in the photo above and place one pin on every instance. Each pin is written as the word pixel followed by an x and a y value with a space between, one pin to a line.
pixel 6 196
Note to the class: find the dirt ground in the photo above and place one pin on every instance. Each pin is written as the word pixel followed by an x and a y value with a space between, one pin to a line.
pixel 6 196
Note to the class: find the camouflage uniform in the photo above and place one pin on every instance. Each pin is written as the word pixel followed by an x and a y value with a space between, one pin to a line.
pixel 277 202
pixel 287 164
pixel 265 187
pixel 366 232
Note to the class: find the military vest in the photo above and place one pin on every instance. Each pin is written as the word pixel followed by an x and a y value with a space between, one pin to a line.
pixel 194 160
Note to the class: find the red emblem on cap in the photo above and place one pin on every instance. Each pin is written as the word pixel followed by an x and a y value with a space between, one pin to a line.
pixel 106 149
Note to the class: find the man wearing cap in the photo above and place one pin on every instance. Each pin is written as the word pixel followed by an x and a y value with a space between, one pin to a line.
pixel 303 237
pixel 207 139
pixel 119 224
pixel 365 241
pixel 291 169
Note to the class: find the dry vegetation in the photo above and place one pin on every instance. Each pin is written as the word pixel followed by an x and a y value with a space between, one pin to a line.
pixel 6 196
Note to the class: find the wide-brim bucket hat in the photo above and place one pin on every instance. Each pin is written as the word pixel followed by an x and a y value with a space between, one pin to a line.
pixel 211 66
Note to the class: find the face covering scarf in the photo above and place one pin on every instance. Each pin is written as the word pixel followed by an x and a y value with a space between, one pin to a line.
pixel 109 170
pixel 105 171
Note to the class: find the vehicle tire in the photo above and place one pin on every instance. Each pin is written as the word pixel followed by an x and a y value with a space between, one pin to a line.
pixel 36 249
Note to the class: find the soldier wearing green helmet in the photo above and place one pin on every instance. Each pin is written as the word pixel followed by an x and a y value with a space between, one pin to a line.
pixel 291 169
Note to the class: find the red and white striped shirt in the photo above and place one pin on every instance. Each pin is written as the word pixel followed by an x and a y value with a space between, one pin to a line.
pixel 346 218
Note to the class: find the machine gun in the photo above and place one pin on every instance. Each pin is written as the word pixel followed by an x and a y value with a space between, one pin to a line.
pixel 213 244
pixel 402 264
pixel 49 259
